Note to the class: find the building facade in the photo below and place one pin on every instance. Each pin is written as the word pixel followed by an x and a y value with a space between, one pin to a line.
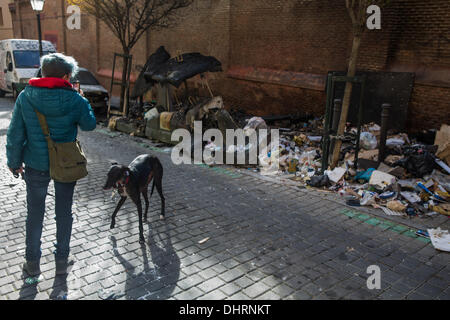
pixel 276 54
pixel 6 28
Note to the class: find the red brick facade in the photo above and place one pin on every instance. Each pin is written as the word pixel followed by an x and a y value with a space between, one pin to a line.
pixel 305 36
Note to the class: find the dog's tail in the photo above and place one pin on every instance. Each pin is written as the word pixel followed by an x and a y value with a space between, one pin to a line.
pixel 159 171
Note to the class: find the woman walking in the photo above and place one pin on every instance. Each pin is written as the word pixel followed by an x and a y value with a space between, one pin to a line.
pixel 65 110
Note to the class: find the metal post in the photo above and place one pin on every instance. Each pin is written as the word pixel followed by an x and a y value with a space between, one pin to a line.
pixel 386 108
pixel 335 122
pixel 336 114
pixel 41 53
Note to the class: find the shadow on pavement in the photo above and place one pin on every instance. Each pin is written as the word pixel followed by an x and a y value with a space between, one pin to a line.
pixel 29 290
pixel 59 288
pixel 155 282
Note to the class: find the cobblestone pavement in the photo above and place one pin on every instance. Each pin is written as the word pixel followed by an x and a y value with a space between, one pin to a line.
pixel 264 240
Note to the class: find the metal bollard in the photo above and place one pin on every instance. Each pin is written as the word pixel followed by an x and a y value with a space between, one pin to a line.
pixel 386 108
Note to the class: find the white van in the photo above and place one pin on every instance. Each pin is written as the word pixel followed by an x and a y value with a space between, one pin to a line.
pixel 19 62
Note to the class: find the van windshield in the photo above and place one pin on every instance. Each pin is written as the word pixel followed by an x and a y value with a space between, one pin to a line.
pixel 27 59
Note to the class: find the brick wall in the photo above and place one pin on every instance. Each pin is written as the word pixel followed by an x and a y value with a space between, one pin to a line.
pixel 315 36
pixel 307 36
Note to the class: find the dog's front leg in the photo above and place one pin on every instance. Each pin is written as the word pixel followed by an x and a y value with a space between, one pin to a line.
pixel 113 217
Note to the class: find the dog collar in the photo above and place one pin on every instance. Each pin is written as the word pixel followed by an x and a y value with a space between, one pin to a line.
pixel 127 179
pixel 120 185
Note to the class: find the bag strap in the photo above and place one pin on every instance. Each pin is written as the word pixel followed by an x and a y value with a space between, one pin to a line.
pixel 44 125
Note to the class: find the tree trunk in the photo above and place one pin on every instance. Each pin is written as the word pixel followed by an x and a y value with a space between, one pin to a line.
pixel 347 95
pixel 124 82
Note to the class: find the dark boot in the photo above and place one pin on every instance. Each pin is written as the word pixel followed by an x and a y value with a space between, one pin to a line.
pixel 62 265
pixel 32 268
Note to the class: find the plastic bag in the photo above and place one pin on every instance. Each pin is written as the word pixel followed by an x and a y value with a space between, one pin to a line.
pixel 368 141
pixel 319 181
pixel 365 175
pixel 307 157
pixel 368 198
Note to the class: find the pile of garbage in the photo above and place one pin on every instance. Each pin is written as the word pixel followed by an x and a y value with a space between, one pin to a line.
pixel 412 180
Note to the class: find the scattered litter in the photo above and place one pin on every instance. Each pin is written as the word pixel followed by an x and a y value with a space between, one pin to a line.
pixel 411 197
pixel 368 141
pixel 395 142
pixel 423 233
pixel 368 198
pixel 396 206
pixel 365 175
pixel 387 195
pixel 443 165
pixel 442 209
pixel 203 240
pixel 110 294
pixel 381 179
pixel 336 175
pixel 391 212
pixel 443 142
pixel 33 280
pixel 319 181
pixel 440 239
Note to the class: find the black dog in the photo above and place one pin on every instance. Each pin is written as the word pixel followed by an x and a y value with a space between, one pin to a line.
pixel 133 180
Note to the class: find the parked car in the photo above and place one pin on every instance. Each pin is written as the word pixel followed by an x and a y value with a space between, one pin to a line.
pixel 19 60
pixel 93 91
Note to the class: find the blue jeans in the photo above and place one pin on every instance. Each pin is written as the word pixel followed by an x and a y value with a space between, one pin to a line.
pixel 37 185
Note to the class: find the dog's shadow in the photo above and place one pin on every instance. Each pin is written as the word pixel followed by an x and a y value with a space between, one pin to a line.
pixel 155 282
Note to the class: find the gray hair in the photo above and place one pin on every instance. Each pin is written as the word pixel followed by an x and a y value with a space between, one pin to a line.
pixel 57 65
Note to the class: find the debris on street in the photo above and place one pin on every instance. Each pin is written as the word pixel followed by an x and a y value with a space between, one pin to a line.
pixel 440 239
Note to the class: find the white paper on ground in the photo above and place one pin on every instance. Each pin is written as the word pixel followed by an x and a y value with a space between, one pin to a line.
pixel 336 174
pixel 443 165
pixel 440 239
pixel 381 179
pixel 315 138
pixel 410 196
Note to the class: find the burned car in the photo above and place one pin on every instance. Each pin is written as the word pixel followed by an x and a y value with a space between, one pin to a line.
pixel 93 91
pixel 97 95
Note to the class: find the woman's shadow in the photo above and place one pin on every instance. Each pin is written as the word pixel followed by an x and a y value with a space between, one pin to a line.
pixel 155 282
pixel 29 289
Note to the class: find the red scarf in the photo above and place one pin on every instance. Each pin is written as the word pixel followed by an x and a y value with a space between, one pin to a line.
pixel 50 83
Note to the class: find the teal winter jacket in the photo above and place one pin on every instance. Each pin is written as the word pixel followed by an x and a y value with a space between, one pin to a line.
pixel 65 111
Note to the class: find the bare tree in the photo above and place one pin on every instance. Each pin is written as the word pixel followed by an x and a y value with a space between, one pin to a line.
pixel 130 19
pixel 357 9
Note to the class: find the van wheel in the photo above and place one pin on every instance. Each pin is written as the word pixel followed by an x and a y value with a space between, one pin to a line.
pixel 2 93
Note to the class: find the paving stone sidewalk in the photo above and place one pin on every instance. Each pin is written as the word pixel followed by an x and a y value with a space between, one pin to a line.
pixel 264 240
